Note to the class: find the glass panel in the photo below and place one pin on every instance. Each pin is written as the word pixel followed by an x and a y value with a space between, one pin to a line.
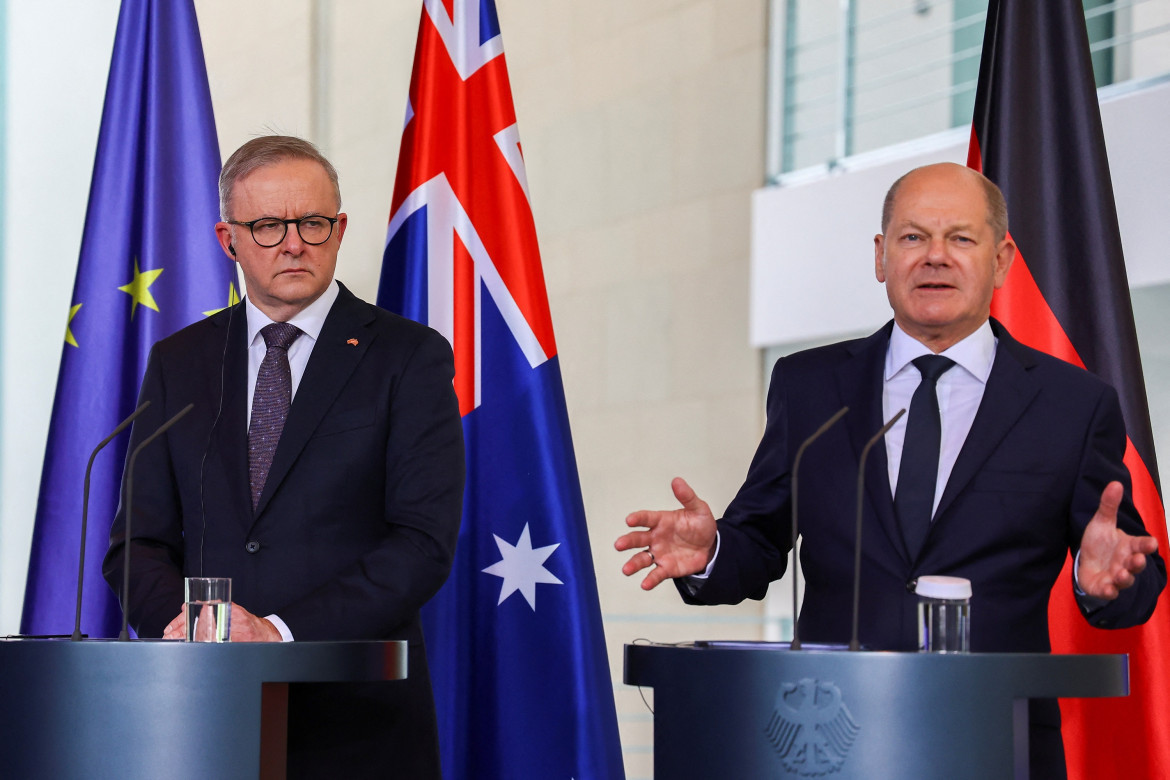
pixel 859 75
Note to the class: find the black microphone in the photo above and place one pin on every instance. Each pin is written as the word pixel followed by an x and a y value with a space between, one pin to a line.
pixel 826 425
pixel 125 635
pixel 85 513
pixel 854 644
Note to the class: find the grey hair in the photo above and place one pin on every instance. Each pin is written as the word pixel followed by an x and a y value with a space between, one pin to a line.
pixel 263 151
pixel 997 213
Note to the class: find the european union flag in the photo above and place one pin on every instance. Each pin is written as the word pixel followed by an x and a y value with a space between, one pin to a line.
pixel 149 265
pixel 514 639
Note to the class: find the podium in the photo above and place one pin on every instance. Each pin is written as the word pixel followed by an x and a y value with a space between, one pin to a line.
pixel 749 712
pixel 148 709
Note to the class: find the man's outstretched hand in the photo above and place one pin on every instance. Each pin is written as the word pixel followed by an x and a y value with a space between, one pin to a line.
pixel 1110 558
pixel 676 542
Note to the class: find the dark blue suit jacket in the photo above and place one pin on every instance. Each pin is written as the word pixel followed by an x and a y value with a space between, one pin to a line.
pixel 357 524
pixel 1046 440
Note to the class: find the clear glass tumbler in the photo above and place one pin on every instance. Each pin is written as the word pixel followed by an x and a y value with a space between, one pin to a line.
pixel 209 608
pixel 944 614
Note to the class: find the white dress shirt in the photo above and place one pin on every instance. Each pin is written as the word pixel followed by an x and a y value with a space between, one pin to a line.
pixel 960 390
pixel 309 320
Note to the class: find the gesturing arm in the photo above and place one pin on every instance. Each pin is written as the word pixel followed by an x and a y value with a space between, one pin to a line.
pixel 682 541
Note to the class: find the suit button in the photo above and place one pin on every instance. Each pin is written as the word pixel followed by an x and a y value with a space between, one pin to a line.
pixel 252 547
pixel 911 586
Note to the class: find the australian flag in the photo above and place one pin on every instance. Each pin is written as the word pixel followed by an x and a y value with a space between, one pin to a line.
pixel 514 639
pixel 150 264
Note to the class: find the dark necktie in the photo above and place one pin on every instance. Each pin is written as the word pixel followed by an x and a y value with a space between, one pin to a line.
pixel 914 496
pixel 270 403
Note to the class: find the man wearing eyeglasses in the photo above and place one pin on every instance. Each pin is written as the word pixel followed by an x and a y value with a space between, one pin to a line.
pixel 321 467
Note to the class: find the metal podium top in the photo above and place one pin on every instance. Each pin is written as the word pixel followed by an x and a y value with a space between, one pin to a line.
pixel 757 712
pixel 153 708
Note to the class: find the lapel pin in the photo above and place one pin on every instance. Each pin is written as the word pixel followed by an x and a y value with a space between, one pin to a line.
pixel 352 342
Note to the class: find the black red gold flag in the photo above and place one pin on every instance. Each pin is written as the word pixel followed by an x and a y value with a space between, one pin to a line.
pixel 1037 134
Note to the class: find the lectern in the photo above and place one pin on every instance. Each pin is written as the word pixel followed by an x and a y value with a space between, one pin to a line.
pixel 755 712
pixel 149 709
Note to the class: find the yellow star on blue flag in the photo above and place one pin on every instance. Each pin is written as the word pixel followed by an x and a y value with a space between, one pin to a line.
pixel 138 288
pixel 233 299
pixel 69 339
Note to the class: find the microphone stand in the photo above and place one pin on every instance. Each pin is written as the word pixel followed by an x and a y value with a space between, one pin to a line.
pixel 854 644
pixel 826 425
pixel 77 636
pixel 125 635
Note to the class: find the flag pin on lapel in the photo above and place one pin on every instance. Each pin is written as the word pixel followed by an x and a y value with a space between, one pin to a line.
pixel 352 342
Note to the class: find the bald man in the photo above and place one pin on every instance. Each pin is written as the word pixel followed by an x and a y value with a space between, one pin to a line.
pixel 1025 463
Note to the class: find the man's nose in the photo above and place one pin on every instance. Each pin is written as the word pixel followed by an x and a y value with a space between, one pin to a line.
pixel 292 242
pixel 936 250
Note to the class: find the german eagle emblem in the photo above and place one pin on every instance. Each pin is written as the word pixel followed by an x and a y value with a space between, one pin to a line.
pixel 811 728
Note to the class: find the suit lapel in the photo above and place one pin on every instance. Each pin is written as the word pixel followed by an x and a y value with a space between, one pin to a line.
pixel 1009 392
pixel 229 408
pixel 332 362
pixel 859 380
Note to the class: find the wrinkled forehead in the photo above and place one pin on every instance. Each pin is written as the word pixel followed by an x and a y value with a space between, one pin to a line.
pixel 931 198
pixel 290 182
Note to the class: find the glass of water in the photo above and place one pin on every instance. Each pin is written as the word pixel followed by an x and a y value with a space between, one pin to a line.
pixel 944 614
pixel 209 608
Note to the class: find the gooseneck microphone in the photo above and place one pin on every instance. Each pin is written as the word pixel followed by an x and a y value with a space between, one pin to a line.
pixel 826 425
pixel 125 635
pixel 854 644
pixel 85 514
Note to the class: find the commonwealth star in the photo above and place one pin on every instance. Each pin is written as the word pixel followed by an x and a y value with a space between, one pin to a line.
pixel 521 567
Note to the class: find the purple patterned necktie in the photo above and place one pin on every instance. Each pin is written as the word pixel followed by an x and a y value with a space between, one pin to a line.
pixel 270 403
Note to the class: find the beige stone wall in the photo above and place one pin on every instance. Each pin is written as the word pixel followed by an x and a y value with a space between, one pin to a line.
pixel 643 132
pixel 642 125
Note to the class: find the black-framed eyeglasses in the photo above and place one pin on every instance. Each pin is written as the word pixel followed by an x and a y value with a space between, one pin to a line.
pixel 270 231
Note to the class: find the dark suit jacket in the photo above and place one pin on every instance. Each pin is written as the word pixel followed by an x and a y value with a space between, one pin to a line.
pixel 357 523
pixel 1046 440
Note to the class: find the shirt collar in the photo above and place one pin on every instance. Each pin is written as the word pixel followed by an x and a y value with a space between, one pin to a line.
pixel 976 353
pixel 309 320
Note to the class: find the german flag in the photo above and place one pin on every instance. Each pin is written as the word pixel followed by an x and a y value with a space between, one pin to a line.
pixel 1037 134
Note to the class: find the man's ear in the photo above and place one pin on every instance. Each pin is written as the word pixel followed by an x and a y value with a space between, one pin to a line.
pixel 223 234
pixel 879 257
pixel 1005 255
